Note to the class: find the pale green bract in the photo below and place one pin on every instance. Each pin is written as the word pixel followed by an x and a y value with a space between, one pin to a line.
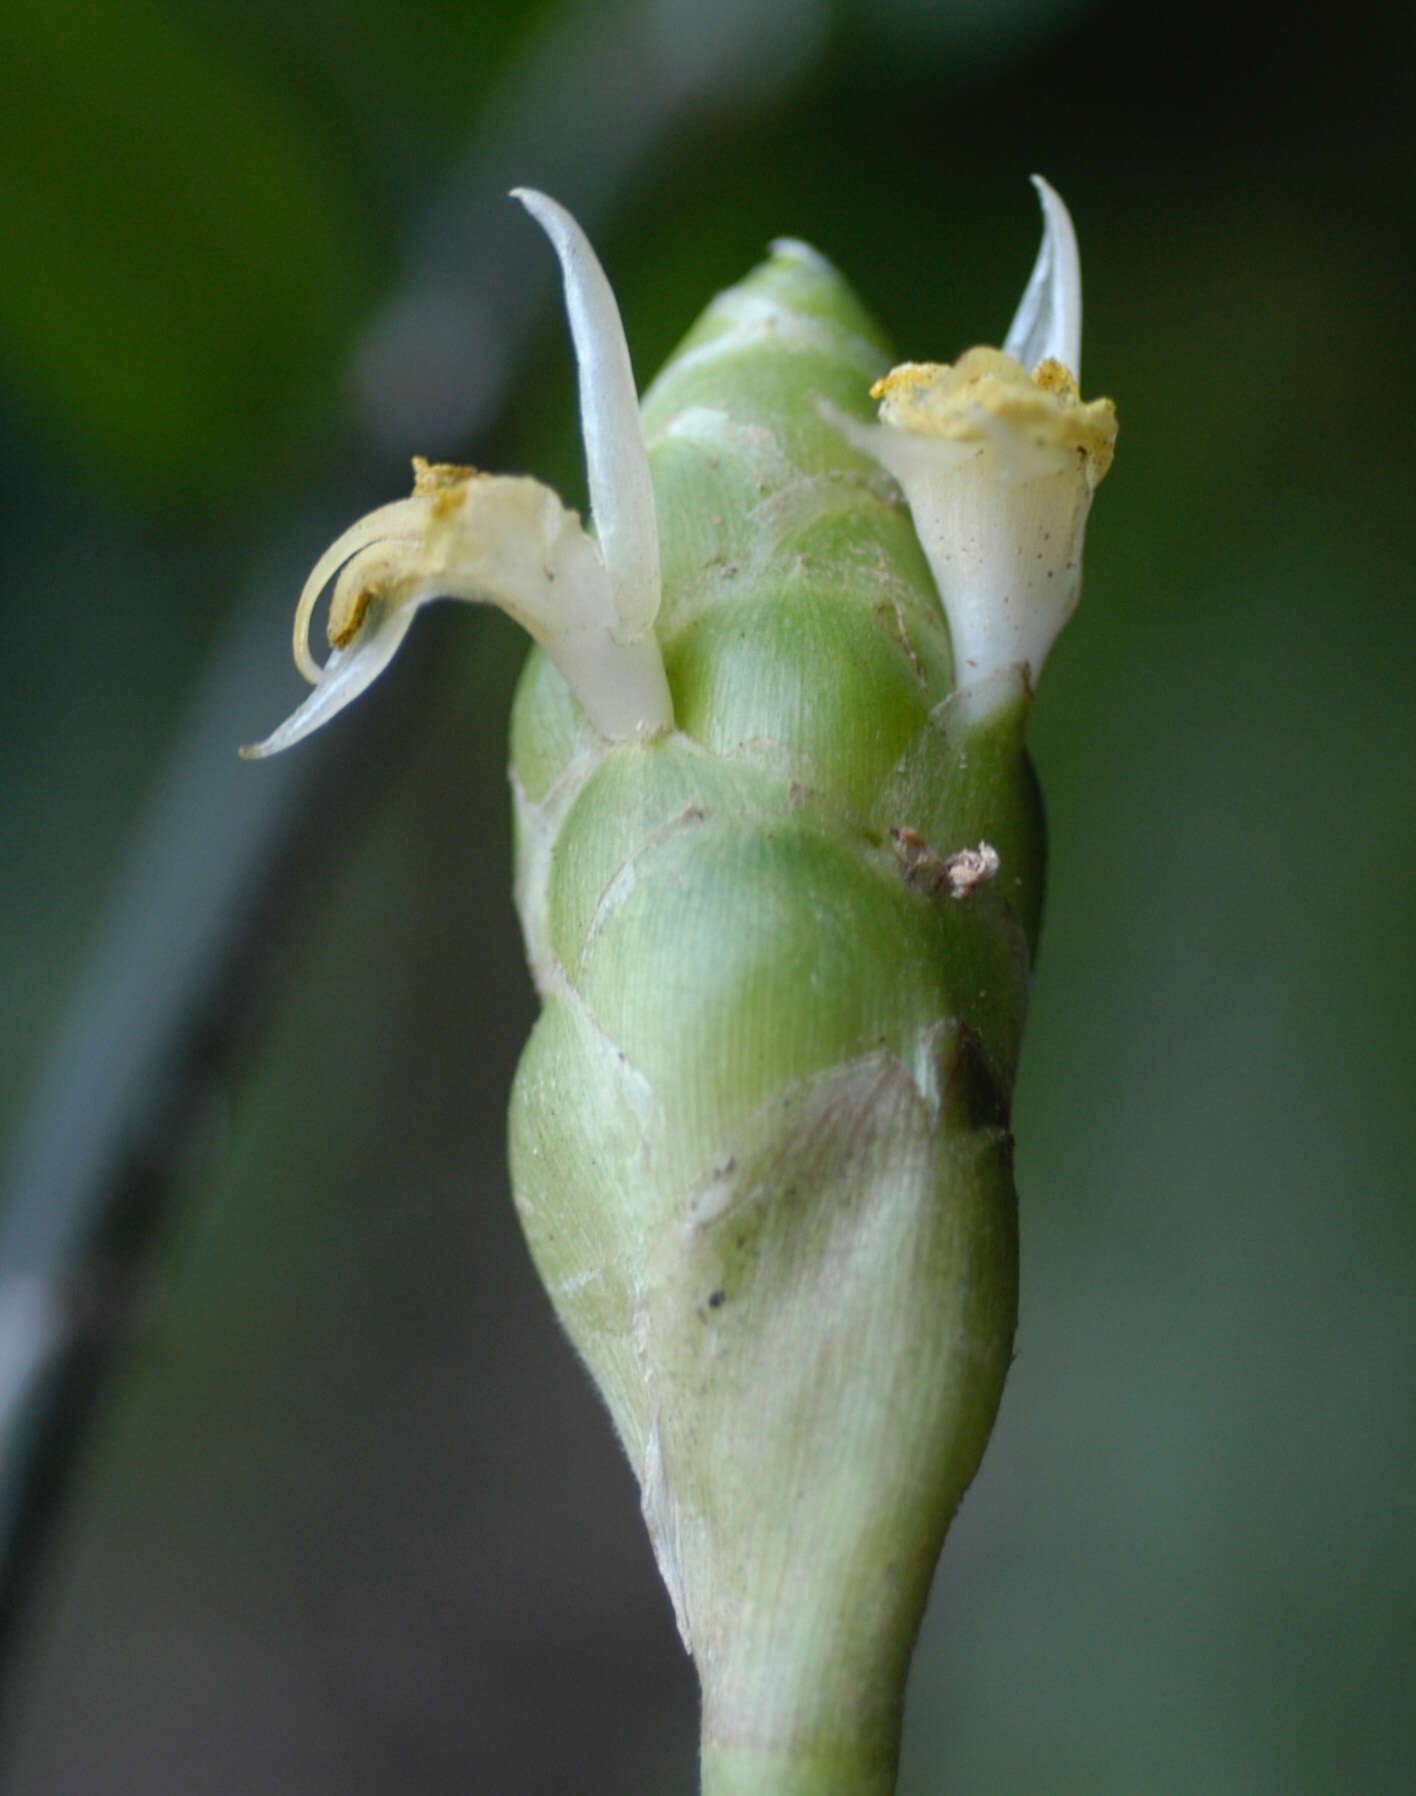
pixel 779 868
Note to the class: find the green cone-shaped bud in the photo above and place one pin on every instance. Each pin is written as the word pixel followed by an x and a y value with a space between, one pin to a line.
pixel 779 867
pixel 759 1136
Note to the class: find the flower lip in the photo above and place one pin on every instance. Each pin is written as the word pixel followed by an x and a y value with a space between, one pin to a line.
pixel 1036 421
pixel 503 539
pixel 510 542
pixel 998 456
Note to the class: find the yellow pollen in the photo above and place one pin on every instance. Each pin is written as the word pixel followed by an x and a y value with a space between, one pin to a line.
pixel 951 400
pixel 905 375
pixel 433 477
pixel 1052 377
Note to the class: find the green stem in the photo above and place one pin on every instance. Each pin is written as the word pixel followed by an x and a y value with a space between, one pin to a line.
pixel 743 1771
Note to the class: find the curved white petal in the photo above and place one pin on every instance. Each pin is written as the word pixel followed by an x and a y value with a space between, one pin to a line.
pixel 403 519
pixel 1048 324
pixel 347 673
pixel 616 460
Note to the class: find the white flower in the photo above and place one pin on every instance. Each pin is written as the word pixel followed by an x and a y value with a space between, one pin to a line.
pixel 508 541
pixel 999 456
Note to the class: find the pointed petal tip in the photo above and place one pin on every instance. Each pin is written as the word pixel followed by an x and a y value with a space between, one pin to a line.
pixel 1048 323
pixel 1059 233
pixel 348 672
pixel 540 205
pixel 616 460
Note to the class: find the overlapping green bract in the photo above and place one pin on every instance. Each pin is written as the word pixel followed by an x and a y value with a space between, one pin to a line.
pixel 759 1135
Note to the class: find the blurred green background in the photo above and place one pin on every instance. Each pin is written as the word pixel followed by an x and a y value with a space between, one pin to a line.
pixel 348 1517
